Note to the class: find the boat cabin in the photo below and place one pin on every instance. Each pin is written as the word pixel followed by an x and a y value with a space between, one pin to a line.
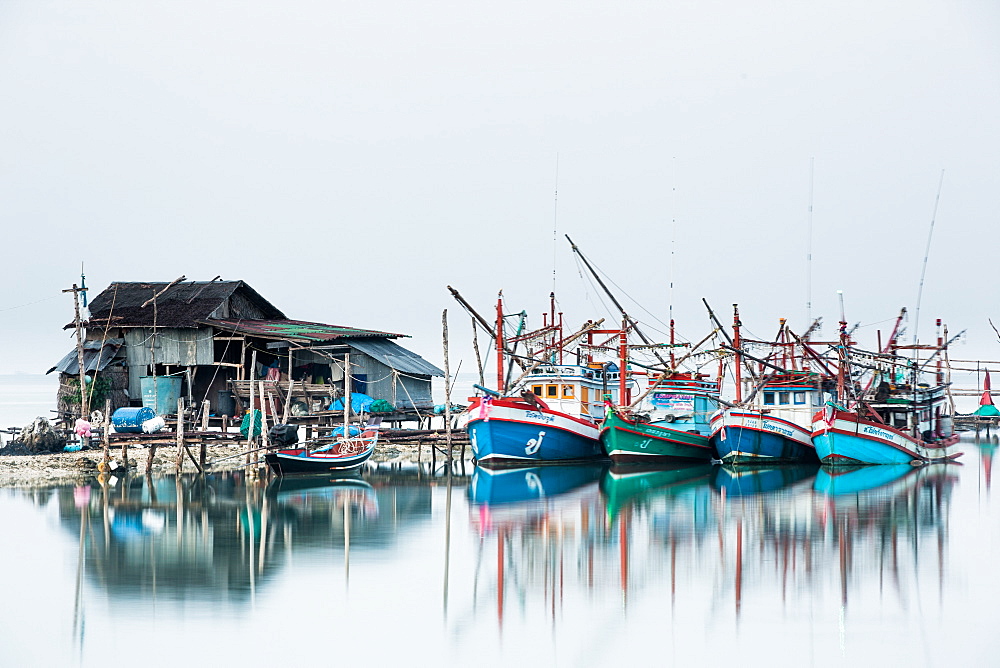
pixel 576 389
pixel 793 396
pixel 686 400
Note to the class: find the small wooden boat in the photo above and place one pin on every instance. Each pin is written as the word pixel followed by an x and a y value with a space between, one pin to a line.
pixel 344 455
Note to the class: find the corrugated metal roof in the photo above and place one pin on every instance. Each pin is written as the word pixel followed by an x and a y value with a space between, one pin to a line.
pixel 95 357
pixel 183 305
pixel 395 356
pixel 297 330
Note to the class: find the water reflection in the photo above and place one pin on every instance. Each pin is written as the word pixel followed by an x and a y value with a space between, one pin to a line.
pixel 527 553
pixel 719 532
pixel 220 538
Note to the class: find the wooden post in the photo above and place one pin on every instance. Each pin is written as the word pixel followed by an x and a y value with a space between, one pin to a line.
pixel 106 435
pixel 347 396
pixel 180 434
pixel 205 408
pixel 253 372
pixel 151 456
pixel 475 347
pixel 84 403
pixel 125 454
pixel 447 389
pixel 263 423
pixel 288 400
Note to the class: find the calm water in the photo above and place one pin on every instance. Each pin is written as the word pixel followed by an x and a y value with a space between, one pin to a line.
pixel 548 566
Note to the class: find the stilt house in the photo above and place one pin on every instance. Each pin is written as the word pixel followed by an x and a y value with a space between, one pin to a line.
pixel 213 339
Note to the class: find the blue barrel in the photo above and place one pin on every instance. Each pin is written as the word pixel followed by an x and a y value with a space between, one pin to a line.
pixel 162 399
pixel 129 420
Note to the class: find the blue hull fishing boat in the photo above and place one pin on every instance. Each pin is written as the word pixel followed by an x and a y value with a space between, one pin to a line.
pixel 512 431
pixel 774 423
pixel 552 414
pixel 753 437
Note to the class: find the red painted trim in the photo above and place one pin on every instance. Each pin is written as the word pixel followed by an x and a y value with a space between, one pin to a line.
pixel 524 406
pixel 536 424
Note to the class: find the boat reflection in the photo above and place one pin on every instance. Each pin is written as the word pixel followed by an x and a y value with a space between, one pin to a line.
pixel 720 538
pixel 657 491
pixel 514 485
pixel 838 481
pixel 536 516
pixel 751 480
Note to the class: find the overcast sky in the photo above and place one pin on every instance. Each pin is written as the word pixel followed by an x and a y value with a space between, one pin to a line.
pixel 351 159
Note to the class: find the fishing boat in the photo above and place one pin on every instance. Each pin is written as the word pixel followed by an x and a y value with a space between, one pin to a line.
pixel 777 427
pixel 774 423
pixel 551 414
pixel 529 430
pixel 345 454
pixel 670 424
pixel 896 420
pixel 848 437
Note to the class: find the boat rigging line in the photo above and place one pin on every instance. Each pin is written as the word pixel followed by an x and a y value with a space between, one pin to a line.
pixel 635 325
pixel 923 270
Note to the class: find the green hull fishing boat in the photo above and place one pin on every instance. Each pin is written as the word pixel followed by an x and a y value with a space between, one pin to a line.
pixel 630 441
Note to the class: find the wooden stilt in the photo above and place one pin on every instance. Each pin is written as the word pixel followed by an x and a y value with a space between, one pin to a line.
pixel 263 423
pixel 180 434
pixel 447 389
pixel 253 372
pixel 106 434
pixel 152 455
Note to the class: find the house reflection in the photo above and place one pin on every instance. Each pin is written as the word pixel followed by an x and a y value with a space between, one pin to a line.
pixel 221 537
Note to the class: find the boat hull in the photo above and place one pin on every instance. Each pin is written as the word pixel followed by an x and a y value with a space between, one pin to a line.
pixel 506 433
pixel 741 437
pixel 844 438
pixel 628 442
pixel 292 462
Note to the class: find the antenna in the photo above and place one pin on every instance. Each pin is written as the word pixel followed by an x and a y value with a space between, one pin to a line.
pixel 923 270
pixel 809 245
pixel 673 243
pixel 555 225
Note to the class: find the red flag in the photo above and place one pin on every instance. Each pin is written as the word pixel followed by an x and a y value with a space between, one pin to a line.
pixel 986 399
pixel 986 383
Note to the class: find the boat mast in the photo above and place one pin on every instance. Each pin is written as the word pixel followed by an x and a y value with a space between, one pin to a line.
pixel 499 340
pixel 673 363
pixel 623 361
pixel 842 354
pixel 738 359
